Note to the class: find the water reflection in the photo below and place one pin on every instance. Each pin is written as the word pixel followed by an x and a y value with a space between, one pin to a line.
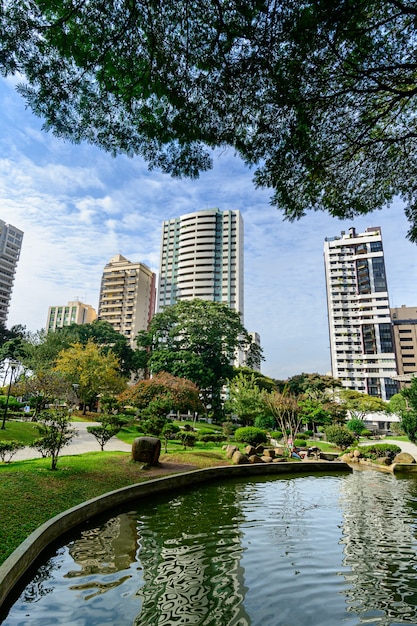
pixel 380 547
pixel 271 552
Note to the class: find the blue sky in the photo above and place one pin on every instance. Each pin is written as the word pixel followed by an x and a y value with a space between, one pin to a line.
pixel 78 207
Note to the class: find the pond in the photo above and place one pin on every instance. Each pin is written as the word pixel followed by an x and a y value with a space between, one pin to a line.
pixel 273 551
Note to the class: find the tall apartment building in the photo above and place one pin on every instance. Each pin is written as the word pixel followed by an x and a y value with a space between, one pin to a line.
pixel 127 296
pixel 202 257
pixel 10 245
pixel 404 324
pixel 75 312
pixel 361 340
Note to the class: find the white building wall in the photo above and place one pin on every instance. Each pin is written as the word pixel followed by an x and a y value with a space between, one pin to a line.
pixel 202 257
pixel 10 245
pixel 361 343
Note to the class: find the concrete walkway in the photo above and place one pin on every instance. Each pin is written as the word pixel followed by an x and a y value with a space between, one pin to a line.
pixel 82 442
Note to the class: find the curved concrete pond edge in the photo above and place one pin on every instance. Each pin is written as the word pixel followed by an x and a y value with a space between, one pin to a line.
pixel 19 562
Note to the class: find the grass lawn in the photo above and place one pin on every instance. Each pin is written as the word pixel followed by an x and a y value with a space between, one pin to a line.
pixel 24 432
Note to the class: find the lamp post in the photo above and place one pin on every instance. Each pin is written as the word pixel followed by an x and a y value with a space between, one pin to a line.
pixel 12 365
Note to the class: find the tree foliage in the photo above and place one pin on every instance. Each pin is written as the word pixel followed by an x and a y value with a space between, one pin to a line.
pixel 93 371
pixel 178 394
pixel 341 436
pixel 360 404
pixel 320 95
pixel 286 411
pixel 197 340
pixel 245 399
pixel 409 414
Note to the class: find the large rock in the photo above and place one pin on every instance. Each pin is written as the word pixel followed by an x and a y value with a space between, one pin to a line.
pixel 146 450
pixel 269 452
pixel 250 450
pixel 404 457
pixel 254 458
pixel 230 450
pixel 239 459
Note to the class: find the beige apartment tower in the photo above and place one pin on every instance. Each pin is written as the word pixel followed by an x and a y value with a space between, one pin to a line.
pixel 404 324
pixel 127 296
pixel 202 257
pixel 75 312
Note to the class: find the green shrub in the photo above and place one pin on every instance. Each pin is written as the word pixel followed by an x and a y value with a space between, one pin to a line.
pixel 380 449
pixel 188 439
pixel 251 435
pixel 276 434
pixel 302 436
pixel 340 436
pixel 299 443
pixel 367 433
pixel 8 449
pixel 214 437
pixel 309 434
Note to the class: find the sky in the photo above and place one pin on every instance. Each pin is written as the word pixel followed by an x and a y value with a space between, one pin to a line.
pixel 79 206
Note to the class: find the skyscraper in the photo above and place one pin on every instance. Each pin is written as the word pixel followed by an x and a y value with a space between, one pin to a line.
pixel 361 341
pixel 202 257
pixel 127 296
pixel 10 245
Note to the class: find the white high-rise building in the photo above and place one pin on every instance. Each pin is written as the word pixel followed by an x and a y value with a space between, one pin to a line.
pixel 127 296
pixel 202 257
pixel 361 340
pixel 10 245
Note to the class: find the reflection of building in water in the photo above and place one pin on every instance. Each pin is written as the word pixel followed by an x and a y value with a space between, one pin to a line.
pixel 380 546
pixel 105 549
pixel 192 575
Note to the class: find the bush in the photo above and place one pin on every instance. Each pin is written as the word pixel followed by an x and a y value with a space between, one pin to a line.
pixel 340 436
pixel 302 436
pixel 276 434
pixel 380 449
pixel 299 443
pixel 214 437
pixel 251 435
pixel 8 449
pixel 188 439
pixel 309 434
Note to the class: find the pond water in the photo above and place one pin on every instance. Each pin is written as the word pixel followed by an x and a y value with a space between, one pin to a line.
pixel 281 551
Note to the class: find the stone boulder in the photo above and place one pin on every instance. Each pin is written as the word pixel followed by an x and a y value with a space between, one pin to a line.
pixel 279 451
pixel 269 452
pixel 230 450
pixel 267 459
pixel 146 450
pixel 404 457
pixel 239 459
pixel 250 450
pixel 254 458
pixel 259 449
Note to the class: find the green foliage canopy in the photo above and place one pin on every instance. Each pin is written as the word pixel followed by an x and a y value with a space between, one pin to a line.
pixel 197 340
pixel 320 95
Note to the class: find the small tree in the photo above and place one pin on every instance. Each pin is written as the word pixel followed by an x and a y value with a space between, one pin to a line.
pixel 245 399
pixel 168 432
pixel 8 449
pixel 110 426
pixel 56 433
pixel 188 439
pixel 285 408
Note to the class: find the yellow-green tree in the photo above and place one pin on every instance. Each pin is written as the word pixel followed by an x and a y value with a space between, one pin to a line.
pixel 91 370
